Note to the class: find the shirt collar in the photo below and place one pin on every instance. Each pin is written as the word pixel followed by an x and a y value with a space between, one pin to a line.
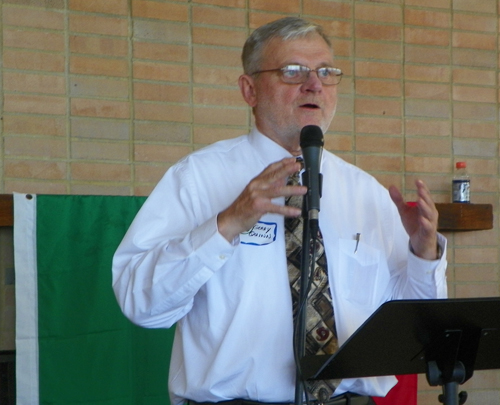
pixel 268 151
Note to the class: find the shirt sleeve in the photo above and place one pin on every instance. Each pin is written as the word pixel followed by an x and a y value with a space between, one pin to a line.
pixel 169 252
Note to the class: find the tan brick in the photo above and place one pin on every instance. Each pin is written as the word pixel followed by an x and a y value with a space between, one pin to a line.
pixel 162 31
pixel 162 11
pixel 159 153
pixel 470 22
pixel 33 60
pixel 98 86
pixel 119 7
pixel 230 17
pixel 335 28
pixel 370 125
pixel 34 125
pixel 25 146
pixel 483 6
pixel 100 171
pixel 426 55
pixel 377 12
pixel 50 4
pixel 216 76
pixel 40 40
pixel 341 123
pixel 379 144
pixel 342 48
pixel 336 142
pixel 225 3
pixel 161 92
pixel 377 70
pixel 215 96
pixel 216 115
pixel 425 36
pixel 386 107
pixel 161 71
pixel 474 94
pixel 427 108
pixel 427 90
pixel 99 66
pixel 289 7
pixel 446 4
pixel 474 57
pixel 379 163
pixel 217 36
pixel 98 46
pixel 474 76
pixel 258 18
pixel 162 112
pixel 208 135
pixel 424 127
pixel 475 111
pixel 475 129
pixel 160 52
pixel 150 173
pixel 380 88
pixel 427 18
pixel 29 186
pixel 84 127
pixel 34 83
pixel 100 108
pixel 427 73
pixel 35 169
pixel 33 104
pixel 327 8
pixel 378 32
pixel 476 273
pixel 474 41
pixel 34 18
pixel 426 164
pixel 378 50
pixel 82 188
pixel 162 132
pixel 103 25
pixel 98 150
pixel 427 146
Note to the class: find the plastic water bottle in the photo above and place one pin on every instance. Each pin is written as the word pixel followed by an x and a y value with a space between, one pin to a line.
pixel 461 184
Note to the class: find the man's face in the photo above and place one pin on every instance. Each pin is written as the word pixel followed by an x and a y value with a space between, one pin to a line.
pixel 281 109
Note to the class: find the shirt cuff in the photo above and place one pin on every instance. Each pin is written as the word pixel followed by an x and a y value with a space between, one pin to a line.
pixel 210 246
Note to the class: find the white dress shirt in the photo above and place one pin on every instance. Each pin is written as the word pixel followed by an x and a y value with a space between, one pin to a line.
pixel 232 301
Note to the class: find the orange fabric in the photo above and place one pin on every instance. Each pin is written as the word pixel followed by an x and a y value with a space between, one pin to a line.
pixel 403 393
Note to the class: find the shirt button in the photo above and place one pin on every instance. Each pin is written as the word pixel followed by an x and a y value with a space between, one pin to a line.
pixel 222 257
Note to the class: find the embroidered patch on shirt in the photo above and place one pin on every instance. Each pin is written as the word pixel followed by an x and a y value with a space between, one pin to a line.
pixel 262 233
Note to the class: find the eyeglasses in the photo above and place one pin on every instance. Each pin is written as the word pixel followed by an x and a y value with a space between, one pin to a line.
pixel 298 74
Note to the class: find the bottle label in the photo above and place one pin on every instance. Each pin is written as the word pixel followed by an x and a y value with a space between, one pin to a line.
pixel 461 191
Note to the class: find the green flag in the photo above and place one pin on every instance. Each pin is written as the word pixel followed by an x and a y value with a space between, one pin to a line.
pixel 73 344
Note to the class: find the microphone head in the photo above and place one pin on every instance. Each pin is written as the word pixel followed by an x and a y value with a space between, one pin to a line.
pixel 311 135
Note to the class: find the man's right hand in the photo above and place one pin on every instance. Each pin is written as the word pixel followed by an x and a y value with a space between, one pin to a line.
pixel 256 199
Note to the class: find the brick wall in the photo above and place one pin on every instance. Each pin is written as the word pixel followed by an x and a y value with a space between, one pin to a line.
pixel 101 97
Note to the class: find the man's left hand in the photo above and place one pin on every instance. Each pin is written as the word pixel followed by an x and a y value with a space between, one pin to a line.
pixel 420 220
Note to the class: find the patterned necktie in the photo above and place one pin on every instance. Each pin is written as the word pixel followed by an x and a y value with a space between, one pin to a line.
pixel 321 337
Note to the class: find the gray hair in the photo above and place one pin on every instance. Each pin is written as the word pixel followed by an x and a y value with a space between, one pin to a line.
pixel 284 28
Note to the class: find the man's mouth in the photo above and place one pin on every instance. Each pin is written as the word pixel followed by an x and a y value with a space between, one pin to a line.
pixel 310 106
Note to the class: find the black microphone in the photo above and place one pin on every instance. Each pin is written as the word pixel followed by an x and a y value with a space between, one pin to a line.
pixel 311 143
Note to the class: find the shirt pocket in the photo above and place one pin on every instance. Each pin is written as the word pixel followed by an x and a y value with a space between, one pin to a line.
pixel 362 272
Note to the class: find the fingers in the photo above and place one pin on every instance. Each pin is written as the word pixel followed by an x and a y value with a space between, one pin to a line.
pixel 257 198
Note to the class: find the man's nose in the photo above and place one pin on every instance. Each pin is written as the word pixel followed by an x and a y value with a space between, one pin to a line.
pixel 313 83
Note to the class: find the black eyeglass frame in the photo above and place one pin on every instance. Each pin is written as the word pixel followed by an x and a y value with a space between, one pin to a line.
pixel 302 68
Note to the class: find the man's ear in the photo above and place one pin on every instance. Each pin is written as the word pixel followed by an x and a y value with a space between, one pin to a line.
pixel 247 88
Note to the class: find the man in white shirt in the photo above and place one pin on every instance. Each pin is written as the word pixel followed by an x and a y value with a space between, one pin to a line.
pixel 207 251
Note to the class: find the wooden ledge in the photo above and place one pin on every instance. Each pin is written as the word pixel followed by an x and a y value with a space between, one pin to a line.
pixel 464 217
pixel 452 216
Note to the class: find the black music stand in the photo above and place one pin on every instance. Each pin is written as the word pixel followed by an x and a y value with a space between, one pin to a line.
pixel 447 339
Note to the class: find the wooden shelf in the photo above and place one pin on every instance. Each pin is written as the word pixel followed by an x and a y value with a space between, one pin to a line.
pixel 6 210
pixel 464 217
pixel 452 216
